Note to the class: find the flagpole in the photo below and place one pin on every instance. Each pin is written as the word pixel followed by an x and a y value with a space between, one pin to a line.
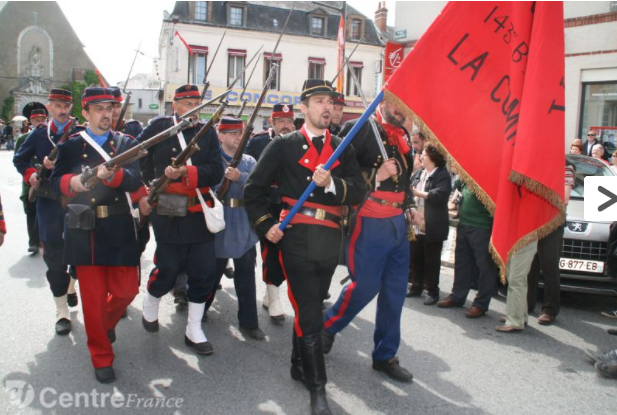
pixel 337 153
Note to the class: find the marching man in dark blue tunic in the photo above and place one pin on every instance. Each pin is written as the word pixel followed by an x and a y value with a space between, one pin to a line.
pixel 184 243
pixel 378 248
pixel 99 229
pixel 237 240
pixel 282 122
pixel 49 212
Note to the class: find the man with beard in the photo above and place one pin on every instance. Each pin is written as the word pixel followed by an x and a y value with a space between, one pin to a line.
pixel 99 231
pixel 282 122
pixel 49 211
pixel 337 113
pixel 184 243
pixel 378 248
pixel 309 248
pixel 37 116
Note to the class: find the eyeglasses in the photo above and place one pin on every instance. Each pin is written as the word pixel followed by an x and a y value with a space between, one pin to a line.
pixel 591 135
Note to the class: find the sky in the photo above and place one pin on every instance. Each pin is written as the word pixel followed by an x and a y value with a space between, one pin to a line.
pixel 135 23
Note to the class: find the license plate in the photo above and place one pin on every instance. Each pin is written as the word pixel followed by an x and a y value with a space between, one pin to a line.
pixel 581 265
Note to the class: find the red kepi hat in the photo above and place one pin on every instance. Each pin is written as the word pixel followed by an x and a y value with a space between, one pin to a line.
pixel 96 95
pixel 59 94
pixel 187 91
pixel 282 111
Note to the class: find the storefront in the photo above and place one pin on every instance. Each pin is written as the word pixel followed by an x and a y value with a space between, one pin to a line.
pixel 599 111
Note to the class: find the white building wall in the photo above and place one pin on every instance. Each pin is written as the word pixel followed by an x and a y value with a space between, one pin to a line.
pixel 415 17
pixel 590 38
pixel 585 8
pixel 295 51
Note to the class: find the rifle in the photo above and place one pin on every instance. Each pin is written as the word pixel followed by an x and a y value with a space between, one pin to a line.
pixel 207 83
pixel 246 134
pixel 244 101
pixel 159 185
pixel 224 189
pixel 41 170
pixel 89 177
pixel 128 94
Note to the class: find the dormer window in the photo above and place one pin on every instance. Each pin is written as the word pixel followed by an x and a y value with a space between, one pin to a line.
pixel 201 11
pixel 356 29
pixel 317 26
pixel 236 16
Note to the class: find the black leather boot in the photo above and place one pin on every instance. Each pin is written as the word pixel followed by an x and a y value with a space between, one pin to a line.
pixel 297 372
pixel 314 372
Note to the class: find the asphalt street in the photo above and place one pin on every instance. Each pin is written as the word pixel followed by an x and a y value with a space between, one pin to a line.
pixel 460 366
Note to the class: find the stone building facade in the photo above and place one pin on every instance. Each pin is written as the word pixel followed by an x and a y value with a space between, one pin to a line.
pixel 39 51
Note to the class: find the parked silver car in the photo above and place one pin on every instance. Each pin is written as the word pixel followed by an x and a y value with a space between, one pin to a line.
pixel 583 258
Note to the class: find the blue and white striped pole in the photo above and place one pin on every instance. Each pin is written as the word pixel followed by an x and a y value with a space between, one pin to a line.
pixel 337 153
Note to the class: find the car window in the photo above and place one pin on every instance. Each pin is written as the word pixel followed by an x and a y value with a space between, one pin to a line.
pixel 585 166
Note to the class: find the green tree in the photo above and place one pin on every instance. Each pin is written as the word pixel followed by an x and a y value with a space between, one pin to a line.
pixel 8 109
pixel 77 88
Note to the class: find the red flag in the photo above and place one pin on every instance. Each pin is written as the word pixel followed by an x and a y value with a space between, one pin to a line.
pixel 185 44
pixel 485 83
pixel 101 81
pixel 340 52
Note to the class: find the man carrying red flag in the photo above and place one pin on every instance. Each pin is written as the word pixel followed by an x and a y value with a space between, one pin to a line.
pixel 378 249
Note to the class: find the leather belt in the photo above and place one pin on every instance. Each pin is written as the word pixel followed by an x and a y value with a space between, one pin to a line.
pixel 234 203
pixel 319 214
pixel 385 202
pixel 103 212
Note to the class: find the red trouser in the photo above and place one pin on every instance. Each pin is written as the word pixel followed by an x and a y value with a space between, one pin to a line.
pixel 105 293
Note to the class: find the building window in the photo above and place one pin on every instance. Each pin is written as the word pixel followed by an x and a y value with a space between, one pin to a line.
pixel 197 68
pixel 201 10
pixel 236 16
pixel 600 111
pixel 317 26
pixel 275 84
pixel 235 64
pixel 139 103
pixel 356 29
pixel 316 68
pixel 352 90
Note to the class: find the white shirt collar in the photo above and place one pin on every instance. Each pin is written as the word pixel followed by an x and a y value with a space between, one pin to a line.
pixel 311 135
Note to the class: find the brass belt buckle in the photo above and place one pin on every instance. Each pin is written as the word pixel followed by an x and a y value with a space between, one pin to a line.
pixel 102 212
pixel 320 214
pixel 384 202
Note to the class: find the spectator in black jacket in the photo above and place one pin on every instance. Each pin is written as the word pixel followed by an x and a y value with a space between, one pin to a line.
pixel 431 189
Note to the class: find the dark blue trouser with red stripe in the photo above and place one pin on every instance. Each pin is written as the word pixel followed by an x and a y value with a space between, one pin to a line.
pixel 197 260
pixel 378 261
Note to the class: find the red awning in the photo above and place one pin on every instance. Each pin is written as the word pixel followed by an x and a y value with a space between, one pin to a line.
pixel 277 57
pixel 236 52
pixel 199 49
pixel 317 60
pixel 356 64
